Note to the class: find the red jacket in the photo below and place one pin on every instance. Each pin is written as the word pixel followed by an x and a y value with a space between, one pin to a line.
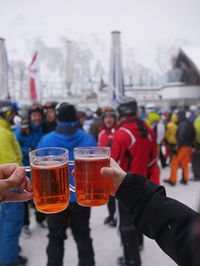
pixel 133 152
pixel 105 136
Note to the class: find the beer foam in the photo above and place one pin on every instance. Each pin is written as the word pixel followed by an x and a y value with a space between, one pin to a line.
pixel 48 164
pixel 91 157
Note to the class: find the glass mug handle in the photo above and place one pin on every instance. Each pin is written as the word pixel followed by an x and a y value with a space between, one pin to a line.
pixel 72 188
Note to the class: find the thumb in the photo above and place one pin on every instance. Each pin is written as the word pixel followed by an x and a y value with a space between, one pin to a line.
pixel 109 172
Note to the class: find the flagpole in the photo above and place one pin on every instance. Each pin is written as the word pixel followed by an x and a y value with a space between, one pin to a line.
pixel 68 75
pixel 4 90
pixel 116 77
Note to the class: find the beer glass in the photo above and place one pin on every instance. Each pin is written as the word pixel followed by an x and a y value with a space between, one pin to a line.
pixel 50 179
pixel 92 189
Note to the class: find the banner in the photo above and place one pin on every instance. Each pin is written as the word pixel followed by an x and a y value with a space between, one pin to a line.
pixel 34 70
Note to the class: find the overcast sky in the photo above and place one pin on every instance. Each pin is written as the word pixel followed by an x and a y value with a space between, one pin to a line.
pixel 143 23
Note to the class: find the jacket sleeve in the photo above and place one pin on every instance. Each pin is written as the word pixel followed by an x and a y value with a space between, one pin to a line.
pixel 43 142
pixel 16 148
pixel 154 149
pixel 160 133
pixel 120 141
pixel 116 148
pixel 197 129
pixel 163 219
pixel 10 150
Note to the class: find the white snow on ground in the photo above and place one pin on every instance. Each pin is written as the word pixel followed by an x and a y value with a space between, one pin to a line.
pixel 105 239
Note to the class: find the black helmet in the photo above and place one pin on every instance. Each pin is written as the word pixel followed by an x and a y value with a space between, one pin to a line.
pixel 66 112
pixel 50 105
pixel 36 108
pixel 127 106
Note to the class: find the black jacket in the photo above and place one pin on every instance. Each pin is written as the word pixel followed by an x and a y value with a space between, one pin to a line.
pixel 186 133
pixel 166 220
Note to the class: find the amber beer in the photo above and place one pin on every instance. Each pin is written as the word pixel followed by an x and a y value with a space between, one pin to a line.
pixel 50 181
pixel 92 189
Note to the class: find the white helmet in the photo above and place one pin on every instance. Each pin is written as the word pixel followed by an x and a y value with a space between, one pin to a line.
pixel 150 107
pixel 193 108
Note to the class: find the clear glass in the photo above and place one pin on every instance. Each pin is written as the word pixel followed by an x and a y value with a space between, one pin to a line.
pixel 92 189
pixel 50 179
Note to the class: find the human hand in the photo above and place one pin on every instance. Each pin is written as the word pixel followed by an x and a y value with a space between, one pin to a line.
pixel 116 173
pixel 14 177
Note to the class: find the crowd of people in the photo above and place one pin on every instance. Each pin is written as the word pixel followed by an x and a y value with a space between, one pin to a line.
pixel 142 141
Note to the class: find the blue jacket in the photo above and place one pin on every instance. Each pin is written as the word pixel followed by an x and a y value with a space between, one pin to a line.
pixel 11 222
pixel 29 142
pixel 69 140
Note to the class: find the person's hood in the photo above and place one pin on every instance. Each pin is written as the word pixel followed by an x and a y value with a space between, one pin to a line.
pixel 67 128
pixel 72 140
pixel 174 118
pixel 181 116
pixel 4 123
pixel 133 126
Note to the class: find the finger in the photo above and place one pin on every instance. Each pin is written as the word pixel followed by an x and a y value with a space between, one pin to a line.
pixel 28 185
pixel 12 196
pixel 6 170
pixel 14 180
pixel 22 186
pixel 113 163
pixel 25 185
pixel 117 175
pixel 109 172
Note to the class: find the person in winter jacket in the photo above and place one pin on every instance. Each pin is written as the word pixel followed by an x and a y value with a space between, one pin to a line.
pixel 185 138
pixel 107 130
pixel 174 226
pixel 50 121
pixel 68 135
pixel 28 141
pixel 193 113
pixel 159 128
pixel 132 149
pixel 133 140
pixel 170 134
pixel 11 213
pixel 16 121
pixel 106 133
